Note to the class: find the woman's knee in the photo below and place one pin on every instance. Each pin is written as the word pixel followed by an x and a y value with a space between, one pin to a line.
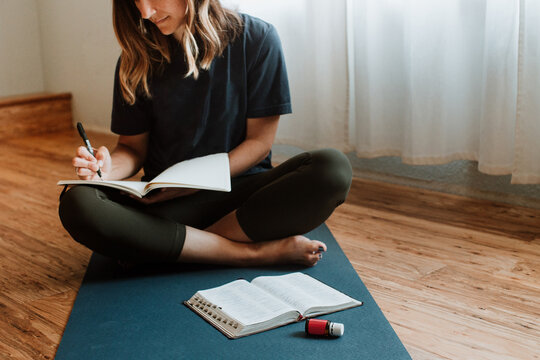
pixel 74 200
pixel 333 171
pixel 77 209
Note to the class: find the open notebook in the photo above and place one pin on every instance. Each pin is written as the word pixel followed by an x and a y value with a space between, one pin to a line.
pixel 209 172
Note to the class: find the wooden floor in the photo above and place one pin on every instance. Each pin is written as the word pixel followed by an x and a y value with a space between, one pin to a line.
pixel 457 278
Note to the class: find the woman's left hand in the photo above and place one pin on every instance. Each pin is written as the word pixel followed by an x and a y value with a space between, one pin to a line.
pixel 164 194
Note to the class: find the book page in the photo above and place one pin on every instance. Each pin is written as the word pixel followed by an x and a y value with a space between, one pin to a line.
pixel 206 172
pixel 302 291
pixel 246 303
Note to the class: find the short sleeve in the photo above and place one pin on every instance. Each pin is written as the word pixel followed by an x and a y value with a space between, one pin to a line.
pixel 267 82
pixel 129 119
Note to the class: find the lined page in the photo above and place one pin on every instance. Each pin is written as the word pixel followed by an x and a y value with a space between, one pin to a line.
pixel 246 303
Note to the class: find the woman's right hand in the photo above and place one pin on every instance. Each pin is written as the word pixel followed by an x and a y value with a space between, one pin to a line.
pixel 86 165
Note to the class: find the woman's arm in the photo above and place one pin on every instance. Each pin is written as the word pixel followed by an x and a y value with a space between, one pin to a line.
pixel 257 145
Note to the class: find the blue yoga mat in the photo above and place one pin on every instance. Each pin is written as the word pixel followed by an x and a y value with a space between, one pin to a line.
pixel 139 314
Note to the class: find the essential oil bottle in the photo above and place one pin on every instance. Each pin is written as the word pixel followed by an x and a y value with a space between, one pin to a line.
pixel 321 327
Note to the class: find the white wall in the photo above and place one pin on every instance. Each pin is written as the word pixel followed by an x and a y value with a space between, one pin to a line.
pixel 79 56
pixel 20 50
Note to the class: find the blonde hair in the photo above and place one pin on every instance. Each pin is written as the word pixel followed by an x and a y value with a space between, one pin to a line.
pixel 208 29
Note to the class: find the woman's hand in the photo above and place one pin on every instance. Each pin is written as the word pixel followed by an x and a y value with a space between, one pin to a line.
pixel 86 165
pixel 164 194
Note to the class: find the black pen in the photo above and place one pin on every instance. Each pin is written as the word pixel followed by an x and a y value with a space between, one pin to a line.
pixel 87 143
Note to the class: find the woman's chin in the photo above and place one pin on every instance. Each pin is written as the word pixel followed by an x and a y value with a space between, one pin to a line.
pixel 167 30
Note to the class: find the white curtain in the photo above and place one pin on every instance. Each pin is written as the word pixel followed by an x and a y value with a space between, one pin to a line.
pixel 430 81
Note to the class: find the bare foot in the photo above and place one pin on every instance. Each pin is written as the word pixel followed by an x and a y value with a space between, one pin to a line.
pixel 291 250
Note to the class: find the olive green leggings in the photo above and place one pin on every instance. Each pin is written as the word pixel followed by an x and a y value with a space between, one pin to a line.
pixel 290 199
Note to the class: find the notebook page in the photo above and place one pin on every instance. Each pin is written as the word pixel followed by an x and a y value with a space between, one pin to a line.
pixel 211 171
pixel 246 303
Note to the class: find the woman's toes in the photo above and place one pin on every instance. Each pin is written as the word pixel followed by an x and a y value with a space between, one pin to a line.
pixel 318 246
pixel 311 260
pixel 322 247
pixel 314 258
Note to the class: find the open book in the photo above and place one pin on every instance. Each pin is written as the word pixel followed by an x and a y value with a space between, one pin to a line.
pixel 209 172
pixel 242 308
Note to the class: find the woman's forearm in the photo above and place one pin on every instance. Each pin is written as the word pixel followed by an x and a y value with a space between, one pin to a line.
pixel 257 145
pixel 125 163
pixel 246 155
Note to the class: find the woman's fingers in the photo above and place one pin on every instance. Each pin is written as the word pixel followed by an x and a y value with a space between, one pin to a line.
pixel 82 163
pixel 103 157
pixel 86 165
pixel 83 158
pixel 85 174
pixel 83 152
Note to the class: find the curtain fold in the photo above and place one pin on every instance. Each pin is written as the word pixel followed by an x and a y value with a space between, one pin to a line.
pixel 526 168
pixel 499 87
pixel 429 81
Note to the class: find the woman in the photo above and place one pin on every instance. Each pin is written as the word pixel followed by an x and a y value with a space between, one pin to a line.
pixel 194 79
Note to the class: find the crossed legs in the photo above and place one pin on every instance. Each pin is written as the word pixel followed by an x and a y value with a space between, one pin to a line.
pixel 260 222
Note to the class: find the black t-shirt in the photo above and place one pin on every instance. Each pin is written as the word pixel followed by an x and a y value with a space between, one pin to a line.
pixel 187 118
